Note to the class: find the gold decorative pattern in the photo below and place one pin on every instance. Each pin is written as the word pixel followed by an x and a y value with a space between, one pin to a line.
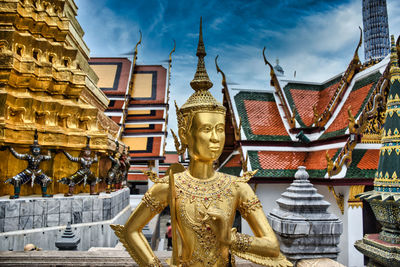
pixel 242 242
pixel 206 192
pixel 154 177
pixel 275 83
pixel 248 206
pixel 369 123
pixel 247 176
pixel 152 203
pixel 353 201
pixel 339 198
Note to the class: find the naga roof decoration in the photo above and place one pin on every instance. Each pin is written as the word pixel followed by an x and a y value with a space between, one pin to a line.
pixel 369 122
pixel 354 66
pixel 289 115
pixel 350 135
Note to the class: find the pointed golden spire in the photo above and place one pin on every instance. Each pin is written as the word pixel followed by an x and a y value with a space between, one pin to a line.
pixel 201 80
pixel 394 61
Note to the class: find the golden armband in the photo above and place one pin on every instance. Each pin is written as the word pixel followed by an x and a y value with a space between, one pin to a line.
pixel 241 242
pixel 246 207
pixel 153 204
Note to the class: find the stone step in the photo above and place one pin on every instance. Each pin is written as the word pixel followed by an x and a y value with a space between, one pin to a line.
pixel 110 257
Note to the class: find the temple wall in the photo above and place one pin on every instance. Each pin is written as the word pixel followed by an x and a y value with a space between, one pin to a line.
pixel 349 256
pixel 91 217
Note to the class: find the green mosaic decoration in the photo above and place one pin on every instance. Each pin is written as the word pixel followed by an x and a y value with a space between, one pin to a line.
pixel 353 171
pixel 384 199
pixel 239 100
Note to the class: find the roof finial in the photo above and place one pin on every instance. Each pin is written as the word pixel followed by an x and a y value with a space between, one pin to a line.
pixel 394 60
pixel 201 80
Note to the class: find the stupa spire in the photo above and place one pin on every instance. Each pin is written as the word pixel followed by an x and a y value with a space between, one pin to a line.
pixel 201 80
pixel 387 176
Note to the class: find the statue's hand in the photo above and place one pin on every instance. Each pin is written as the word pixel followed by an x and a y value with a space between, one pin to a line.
pixel 216 219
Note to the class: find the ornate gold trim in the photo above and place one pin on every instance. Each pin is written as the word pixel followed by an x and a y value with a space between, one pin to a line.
pixel 354 201
pixel 339 198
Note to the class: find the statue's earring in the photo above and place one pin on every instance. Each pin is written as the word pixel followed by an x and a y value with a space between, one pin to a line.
pixel 179 148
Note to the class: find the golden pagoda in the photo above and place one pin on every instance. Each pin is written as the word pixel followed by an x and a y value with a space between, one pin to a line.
pixel 46 84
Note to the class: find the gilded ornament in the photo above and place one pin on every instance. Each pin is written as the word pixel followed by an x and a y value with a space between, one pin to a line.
pixel 203 202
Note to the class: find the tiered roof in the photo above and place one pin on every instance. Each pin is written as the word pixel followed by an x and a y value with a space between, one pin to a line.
pixel 143 127
pixel 304 97
pixel 318 125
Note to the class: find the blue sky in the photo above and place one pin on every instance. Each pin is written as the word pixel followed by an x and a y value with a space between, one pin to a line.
pixel 315 38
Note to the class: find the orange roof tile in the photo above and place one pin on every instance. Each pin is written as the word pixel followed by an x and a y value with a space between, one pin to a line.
pixel 284 160
pixel 137 177
pixel 234 162
pixel 305 99
pixel 171 158
pixel 355 100
pixel 316 160
pixel 370 160
pixel 264 118
pixel 281 160
pixel 325 96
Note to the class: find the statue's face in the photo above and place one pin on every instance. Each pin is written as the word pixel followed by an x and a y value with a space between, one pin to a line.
pixel 206 137
pixel 86 153
pixel 36 151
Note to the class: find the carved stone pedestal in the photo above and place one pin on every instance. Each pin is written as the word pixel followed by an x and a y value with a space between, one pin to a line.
pixel 303 226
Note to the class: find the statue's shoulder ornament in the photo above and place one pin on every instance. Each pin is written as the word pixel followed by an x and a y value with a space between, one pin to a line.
pixel 154 177
pixel 246 176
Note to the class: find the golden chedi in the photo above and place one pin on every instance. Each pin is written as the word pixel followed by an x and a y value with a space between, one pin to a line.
pixel 202 201
pixel 46 84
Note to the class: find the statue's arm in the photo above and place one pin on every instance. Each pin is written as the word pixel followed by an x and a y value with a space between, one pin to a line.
pixel 153 202
pixel 71 158
pixel 48 156
pixel 263 247
pixel 18 155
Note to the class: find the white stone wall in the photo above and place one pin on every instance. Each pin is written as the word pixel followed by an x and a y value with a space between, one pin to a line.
pixel 114 209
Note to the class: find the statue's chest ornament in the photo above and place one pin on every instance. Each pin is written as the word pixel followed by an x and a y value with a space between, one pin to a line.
pixel 195 197
pixel 216 190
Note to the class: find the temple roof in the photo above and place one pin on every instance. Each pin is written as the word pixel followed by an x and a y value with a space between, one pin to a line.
pixel 271 144
pixel 258 110
pixel 303 96
pixel 145 123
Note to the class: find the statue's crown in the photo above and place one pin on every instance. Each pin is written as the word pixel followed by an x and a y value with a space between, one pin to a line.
pixel 201 99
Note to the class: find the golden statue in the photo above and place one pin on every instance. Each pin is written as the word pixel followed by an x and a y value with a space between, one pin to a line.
pixel 202 201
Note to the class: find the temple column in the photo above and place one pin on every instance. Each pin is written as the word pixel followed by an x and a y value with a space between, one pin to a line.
pixel 354 233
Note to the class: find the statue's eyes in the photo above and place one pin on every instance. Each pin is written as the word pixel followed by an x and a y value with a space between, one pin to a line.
pixel 206 129
pixel 220 129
